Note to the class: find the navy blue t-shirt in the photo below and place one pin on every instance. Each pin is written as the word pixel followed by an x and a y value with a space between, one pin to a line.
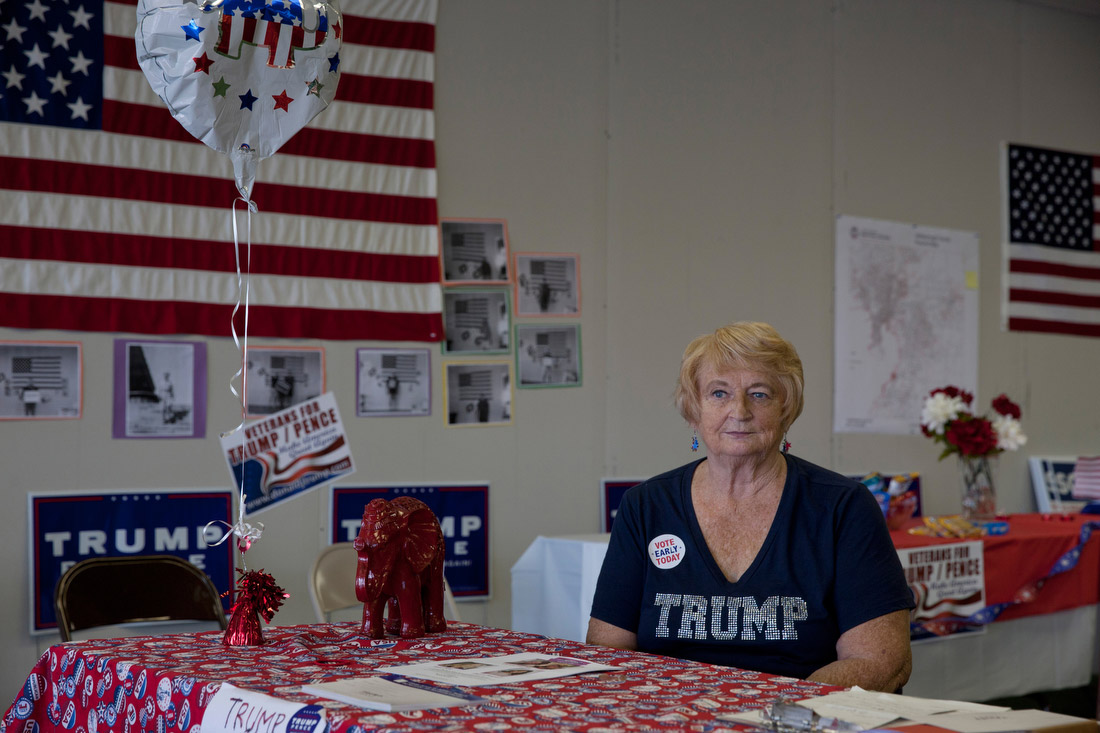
pixel 826 566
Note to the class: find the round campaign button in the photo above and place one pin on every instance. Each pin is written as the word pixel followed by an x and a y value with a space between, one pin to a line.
pixel 23 708
pixel 666 551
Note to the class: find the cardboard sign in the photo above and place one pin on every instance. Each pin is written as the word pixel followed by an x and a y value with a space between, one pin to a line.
pixel 67 528
pixel 463 514
pixel 288 452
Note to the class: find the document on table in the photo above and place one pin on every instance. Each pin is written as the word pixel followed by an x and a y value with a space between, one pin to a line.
pixel 870 710
pixel 499 670
pixel 391 693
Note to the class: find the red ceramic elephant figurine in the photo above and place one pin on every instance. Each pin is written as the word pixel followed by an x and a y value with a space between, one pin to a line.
pixel 400 548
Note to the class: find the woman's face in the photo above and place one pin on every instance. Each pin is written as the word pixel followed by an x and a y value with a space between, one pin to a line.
pixel 740 412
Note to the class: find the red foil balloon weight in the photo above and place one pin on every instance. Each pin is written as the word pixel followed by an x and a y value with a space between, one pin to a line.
pixel 400 564
pixel 257 595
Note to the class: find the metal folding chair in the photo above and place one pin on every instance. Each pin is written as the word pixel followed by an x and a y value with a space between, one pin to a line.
pixel 137 594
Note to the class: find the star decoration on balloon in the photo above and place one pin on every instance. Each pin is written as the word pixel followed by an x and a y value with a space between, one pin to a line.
pixel 203 63
pixel 282 101
pixel 192 30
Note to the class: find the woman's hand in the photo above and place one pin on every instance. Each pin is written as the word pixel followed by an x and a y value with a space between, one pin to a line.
pixel 874 655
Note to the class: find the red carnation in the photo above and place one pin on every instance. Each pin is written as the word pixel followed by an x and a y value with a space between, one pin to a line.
pixel 1005 406
pixel 971 437
pixel 953 392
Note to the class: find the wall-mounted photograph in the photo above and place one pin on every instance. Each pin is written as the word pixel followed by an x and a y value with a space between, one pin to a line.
pixel 280 377
pixel 476 321
pixel 40 380
pixel 474 251
pixel 478 393
pixel 393 382
pixel 548 355
pixel 548 284
pixel 160 389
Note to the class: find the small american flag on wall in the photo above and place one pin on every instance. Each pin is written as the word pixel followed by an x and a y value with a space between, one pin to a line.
pixel 1086 478
pixel 1052 241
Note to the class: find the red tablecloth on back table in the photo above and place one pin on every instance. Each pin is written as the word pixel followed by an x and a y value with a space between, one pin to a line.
pixel 164 684
pixel 1025 555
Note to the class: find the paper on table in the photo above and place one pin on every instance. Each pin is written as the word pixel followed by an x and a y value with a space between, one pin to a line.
pixel 235 708
pixel 864 719
pixel 875 709
pixel 498 670
pixel 902 706
pixel 1004 720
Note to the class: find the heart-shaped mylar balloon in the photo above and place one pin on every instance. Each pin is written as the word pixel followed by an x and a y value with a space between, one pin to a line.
pixel 243 76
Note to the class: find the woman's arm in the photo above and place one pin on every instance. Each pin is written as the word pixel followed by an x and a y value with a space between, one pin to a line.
pixel 602 633
pixel 874 655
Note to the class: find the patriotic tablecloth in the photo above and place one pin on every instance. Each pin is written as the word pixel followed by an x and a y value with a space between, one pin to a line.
pixel 164 684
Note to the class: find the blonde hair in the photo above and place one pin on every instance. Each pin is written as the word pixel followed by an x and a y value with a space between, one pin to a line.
pixel 741 345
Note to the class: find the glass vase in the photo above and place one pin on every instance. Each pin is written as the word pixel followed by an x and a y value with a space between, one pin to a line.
pixel 979 497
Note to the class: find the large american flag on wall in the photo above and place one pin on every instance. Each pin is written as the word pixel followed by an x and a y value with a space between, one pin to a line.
pixel 1052 241
pixel 113 218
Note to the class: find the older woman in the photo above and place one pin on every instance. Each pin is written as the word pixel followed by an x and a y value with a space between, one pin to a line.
pixel 751 557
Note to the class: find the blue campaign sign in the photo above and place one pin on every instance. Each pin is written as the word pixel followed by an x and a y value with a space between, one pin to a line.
pixel 611 493
pixel 67 528
pixel 463 514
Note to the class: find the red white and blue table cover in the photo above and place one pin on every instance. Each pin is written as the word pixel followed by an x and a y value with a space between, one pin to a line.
pixel 163 684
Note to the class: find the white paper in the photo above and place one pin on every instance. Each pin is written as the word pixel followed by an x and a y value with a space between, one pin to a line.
pixel 236 710
pixel 871 710
pixel 390 693
pixel 906 312
pixel 500 670
pixel 1002 721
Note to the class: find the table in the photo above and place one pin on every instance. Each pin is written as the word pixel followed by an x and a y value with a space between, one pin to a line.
pixel 165 683
pixel 1046 643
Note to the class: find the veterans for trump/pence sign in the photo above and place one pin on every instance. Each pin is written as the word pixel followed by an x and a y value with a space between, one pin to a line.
pixel 288 452
pixel 948 584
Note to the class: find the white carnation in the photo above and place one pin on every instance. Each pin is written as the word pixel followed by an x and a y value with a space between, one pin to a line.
pixel 1010 436
pixel 938 410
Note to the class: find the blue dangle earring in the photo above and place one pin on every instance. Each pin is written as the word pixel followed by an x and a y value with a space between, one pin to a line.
pixel 694 442
pixel 786 445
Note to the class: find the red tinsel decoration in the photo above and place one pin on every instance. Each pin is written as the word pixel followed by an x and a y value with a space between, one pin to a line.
pixel 257 595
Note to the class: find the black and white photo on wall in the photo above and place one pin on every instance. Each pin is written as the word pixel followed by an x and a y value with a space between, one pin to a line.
pixel 476 321
pixel 159 389
pixel 474 251
pixel 547 284
pixel 40 380
pixel 393 382
pixel 477 393
pixel 548 355
pixel 279 377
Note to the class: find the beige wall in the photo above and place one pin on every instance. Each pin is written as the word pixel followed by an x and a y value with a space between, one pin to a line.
pixel 695 155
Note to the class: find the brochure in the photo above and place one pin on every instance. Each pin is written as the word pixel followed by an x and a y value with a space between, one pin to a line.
pixel 486 671
pixel 391 693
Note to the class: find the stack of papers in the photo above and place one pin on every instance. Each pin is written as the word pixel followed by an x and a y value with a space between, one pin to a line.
pixel 399 689
pixel 878 710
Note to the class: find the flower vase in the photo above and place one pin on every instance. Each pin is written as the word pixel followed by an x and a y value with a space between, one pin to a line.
pixel 979 498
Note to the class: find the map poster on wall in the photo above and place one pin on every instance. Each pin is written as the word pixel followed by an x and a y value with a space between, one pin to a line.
pixel 948 584
pixel 906 321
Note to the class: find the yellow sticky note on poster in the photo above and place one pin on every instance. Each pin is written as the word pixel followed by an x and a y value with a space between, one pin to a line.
pixel 971 279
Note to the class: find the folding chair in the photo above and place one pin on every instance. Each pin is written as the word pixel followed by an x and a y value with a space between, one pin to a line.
pixel 136 594
pixel 332 583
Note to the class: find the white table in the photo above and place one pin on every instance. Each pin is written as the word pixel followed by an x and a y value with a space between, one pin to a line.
pixel 553 583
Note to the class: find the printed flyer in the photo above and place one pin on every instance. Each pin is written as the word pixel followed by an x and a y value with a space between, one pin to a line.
pixel 288 452
pixel 948 584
